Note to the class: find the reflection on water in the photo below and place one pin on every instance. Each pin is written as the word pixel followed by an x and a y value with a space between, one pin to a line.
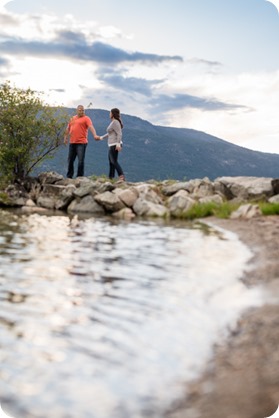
pixel 107 320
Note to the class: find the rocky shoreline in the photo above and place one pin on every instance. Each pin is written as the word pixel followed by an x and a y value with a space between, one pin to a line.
pixel 242 380
pixel 123 200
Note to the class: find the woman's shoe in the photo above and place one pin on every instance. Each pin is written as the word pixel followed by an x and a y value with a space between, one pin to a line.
pixel 122 177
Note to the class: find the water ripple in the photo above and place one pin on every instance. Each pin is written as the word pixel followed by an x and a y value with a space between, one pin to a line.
pixel 105 320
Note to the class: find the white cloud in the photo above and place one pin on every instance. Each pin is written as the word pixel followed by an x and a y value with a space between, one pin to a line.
pixel 3 3
pixel 111 32
pixel 256 125
pixel 250 118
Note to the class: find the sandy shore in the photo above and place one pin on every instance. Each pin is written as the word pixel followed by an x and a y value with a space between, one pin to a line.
pixel 242 380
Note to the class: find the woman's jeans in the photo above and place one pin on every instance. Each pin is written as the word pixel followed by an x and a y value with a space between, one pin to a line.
pixel 76 150
pixel 113 164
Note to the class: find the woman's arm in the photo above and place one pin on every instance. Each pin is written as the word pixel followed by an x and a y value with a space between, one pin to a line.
pixel 118 130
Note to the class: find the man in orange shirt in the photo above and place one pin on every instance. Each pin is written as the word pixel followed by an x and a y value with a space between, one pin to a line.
pixel 78 130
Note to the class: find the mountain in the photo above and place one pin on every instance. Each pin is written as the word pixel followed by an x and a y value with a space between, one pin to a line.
pixel 158 152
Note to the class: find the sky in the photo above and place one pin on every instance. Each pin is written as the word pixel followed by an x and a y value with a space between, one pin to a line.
pixel 209 65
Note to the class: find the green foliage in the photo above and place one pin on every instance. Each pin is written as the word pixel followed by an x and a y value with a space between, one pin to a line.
pixel 4 197
pixel 269 208
pixel 30 130
pixel 102 178
pixel 203 210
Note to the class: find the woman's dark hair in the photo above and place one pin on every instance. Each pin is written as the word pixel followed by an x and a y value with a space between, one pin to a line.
pixel 116 114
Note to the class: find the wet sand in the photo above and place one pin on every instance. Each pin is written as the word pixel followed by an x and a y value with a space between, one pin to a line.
pixel 242 380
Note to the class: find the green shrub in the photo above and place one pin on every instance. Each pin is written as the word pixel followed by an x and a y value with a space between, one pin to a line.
pixel 30 131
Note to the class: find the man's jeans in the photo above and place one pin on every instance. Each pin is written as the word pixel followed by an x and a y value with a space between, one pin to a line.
pixel 76 150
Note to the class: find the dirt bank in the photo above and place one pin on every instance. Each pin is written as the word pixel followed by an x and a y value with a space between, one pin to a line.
pixel 242 381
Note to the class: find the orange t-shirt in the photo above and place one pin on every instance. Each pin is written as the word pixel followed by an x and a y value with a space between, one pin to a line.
pixel 78 128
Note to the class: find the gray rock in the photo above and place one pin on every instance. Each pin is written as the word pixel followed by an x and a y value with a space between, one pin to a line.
pixel 146 208
pixel 110 201
pixel 246 212
pixel 147 192
pixel 77 182
pixel 20 201
pixel 214 198
pixel 274 199
pixel 46 202
pixel 180 203
pixel 195 184
pixel 55 196
pixel 171 189
pixel 52 189
pixel 275 186
pixel 33 209
pixel 49 177
pixel 222 190
pixel 202 188
pixel 87 204
pixel 92 187
pixel 30 203
pixel 15 194
pixel 85 189
pixel 105 187
pixel 127 196
pixel 65 197
pixel 248 188
pixel 125 213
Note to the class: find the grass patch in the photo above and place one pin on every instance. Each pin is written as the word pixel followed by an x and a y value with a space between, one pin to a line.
pixel 203 210
pixel 269 208
pixel 101 177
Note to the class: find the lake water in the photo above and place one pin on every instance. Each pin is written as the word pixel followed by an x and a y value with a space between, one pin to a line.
pixel 103 319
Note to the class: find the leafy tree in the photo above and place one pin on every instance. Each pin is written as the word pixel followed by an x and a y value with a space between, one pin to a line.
pixel 30 130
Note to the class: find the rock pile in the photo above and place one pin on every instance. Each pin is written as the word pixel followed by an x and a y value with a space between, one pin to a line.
pixel 51 191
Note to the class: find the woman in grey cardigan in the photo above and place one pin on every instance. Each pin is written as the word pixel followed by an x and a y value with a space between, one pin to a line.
pixel 114 135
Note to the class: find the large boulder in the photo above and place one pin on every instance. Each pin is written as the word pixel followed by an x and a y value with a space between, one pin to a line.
pixel 248 188
pixel 180 203
pixel 87 204
pixel 274 199
pixel 124 214
pixel 201 188
pixel 171 189
pixel 275 185
pixel 49 177
pixel 149 192
pixel 246 212
pixel 215 198
pixel 144 207
pixel 14 195
pixel 110 201
pixel 55 196
pixel 127 196
pixel 47 202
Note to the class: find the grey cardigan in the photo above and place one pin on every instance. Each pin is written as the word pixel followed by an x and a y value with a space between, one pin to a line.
pixel 114 133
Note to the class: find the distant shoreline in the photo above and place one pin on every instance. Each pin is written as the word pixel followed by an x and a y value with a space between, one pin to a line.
pixel 242 380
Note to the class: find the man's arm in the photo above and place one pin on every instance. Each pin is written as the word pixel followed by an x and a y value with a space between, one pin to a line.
pixel 66 134
pixel 93 131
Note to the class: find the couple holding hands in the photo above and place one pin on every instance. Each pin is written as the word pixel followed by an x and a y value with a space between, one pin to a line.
pixel 77 129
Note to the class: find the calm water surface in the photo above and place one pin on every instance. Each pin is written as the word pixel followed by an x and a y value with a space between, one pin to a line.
pixel 111 320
